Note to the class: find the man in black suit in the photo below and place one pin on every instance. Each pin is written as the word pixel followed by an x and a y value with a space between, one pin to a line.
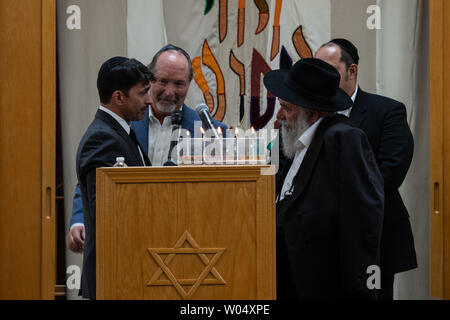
pixel 123 86
pixel 329 193
pixel 172 72
pixel 384 122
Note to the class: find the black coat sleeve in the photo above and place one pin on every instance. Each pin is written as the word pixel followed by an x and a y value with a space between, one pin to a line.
pixel 91 193
pixel 396 147
pixel 361 211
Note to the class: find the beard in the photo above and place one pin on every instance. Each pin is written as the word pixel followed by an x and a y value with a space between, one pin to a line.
pixel 166 106
pixel 292 132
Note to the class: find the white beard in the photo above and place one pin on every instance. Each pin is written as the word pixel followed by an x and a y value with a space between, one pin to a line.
pixel 166 108
pixel 290 134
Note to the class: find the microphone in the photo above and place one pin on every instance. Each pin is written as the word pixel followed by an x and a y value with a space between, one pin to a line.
pixel 203 112
pixel 177 118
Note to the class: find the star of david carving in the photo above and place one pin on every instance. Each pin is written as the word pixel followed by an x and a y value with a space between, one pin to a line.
pixel 177 249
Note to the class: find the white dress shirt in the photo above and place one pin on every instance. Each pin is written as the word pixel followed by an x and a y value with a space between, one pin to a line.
pixel 302 145
pixel 159 136
pixel 347 112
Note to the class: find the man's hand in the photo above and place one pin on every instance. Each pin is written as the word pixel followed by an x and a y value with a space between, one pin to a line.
pixel 75 239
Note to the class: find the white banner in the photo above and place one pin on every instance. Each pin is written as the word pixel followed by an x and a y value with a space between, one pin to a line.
pixel 146 32
pixel 233 43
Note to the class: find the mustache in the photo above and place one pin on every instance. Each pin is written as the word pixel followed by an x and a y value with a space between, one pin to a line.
pixel 167 100
pixel 285 125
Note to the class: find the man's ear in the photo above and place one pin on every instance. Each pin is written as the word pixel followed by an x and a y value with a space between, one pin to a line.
pixel 312 116
pixel 117 97
pixel 353 72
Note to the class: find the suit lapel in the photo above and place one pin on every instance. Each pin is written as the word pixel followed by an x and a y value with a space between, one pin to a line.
pixel 144 153
pixel 188 119
pixel 282 175
pixel 307 167
pixel 141 129
pixel 103 116
pixel 304 173
pixel 145 156
pixel 359 110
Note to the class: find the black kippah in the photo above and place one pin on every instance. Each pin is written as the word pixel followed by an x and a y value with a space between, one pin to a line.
pixel 348 47
pixel 111 64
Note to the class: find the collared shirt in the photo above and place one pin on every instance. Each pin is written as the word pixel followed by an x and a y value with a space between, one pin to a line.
pixel 349 110
pixel 302 145
pixel 124 125
pixel 159 136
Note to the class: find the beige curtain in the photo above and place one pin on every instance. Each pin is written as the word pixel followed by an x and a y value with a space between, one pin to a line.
pixel 394 63
pixel 349 21
pixel 80 55
pixel 403 74
pixel 146 32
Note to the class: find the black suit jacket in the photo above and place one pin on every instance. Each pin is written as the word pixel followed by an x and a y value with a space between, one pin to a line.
pixel 104 140
pixel 385 124
pixel 329 230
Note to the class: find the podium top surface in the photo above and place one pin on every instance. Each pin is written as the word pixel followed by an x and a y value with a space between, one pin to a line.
pixel 191 172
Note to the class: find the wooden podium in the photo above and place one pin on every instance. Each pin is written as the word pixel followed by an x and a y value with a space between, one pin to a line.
pixel 189 232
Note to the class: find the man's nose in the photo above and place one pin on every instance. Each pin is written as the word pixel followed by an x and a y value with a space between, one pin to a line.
pixel 169 90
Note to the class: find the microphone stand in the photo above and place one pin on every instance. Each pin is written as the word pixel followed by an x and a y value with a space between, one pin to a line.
pixel 177 118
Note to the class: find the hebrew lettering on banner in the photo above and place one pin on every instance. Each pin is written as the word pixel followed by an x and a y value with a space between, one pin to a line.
pixel 233 43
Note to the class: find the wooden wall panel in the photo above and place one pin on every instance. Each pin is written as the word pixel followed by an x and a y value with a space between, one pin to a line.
pixel 446 139
pixel 440 149
pixel 26 147
pixel 48 150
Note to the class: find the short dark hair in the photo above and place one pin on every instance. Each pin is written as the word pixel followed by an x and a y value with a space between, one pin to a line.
pixel 120 73
pixel 171 47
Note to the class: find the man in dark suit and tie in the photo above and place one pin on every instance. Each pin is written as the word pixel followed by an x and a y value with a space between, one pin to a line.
pixel 172 72
pixel 123 85
pixel 384 122
pixel 329 191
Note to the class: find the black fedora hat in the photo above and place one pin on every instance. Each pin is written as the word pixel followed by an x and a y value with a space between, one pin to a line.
pixel 311 83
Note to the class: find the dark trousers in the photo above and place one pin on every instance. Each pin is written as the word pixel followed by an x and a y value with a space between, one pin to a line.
pixel 285 286
pixel 387 288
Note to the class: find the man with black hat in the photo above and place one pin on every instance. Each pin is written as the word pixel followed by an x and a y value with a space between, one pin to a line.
pixel 123 86
pixel 329 194
pixel 384 121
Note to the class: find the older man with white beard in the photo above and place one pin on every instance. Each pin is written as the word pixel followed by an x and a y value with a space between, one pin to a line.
pixel 329 193
pixel 172 69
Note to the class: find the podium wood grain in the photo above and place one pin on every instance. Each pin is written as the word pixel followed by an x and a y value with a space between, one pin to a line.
pixel 194 232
